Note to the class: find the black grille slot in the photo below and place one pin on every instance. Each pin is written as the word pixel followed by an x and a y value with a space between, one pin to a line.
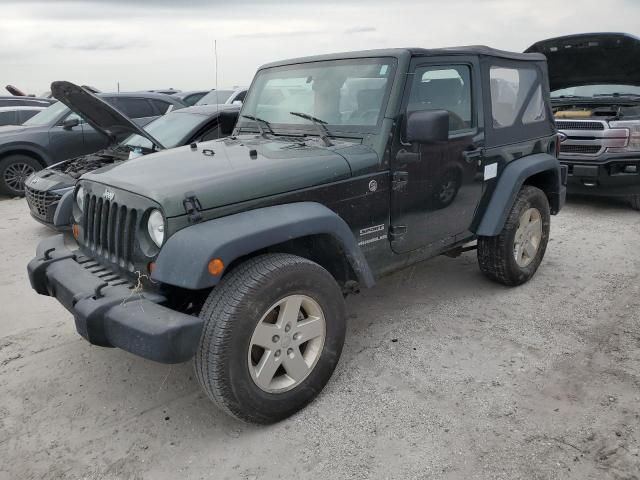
pixel 587 149
pixel 42 203
pixel 568 125
pixel 109 230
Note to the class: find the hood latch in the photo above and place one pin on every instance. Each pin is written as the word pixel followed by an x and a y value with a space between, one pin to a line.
pixel 193 207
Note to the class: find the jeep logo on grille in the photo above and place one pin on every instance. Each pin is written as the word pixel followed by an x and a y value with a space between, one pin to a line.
pixel 34 180
pixel 108 195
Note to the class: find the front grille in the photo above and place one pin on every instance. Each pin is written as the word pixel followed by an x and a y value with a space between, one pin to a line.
pixel 570 125
pixel 42 203
pixel 586 149
pixel 109 230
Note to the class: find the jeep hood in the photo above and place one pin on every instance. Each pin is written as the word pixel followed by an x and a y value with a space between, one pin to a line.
pixel 227 171
pixel 98 113
pixel 591 59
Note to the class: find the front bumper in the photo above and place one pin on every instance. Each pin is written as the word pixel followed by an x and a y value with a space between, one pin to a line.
pixel 107 310
pixel 606 178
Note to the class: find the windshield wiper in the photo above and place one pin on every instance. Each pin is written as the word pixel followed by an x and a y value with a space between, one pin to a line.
pixel 258 122
pixel 616 94
pixel 321 124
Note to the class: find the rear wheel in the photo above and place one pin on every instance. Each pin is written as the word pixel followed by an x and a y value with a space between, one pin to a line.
pixel 635 201
pixel 513 256
pixel 273 334
pixel 14 171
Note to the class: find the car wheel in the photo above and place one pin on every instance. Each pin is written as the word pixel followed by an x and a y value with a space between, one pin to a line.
pixel 635 202
pixel 14 171
pixel 273 333
pixel 513 256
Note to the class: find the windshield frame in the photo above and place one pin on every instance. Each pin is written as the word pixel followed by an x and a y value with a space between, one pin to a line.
pixel 311 129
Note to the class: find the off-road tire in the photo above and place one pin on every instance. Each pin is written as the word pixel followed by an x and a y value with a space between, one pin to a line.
pixel 231 313
pixel 635 202
pixel 496 254
pixel 13 161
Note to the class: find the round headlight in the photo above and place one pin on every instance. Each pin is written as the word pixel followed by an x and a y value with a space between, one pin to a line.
pixel 155 226
pixel 80 198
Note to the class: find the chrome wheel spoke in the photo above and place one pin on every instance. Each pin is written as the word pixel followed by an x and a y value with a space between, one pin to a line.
pixel 266 335
pixel 312 327
pixel 266 369
pixel 290 310
pixel 295 365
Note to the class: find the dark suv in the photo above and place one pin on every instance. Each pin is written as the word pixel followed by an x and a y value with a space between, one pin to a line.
pixel 49 192
pixel 238 252
pixel 57 133
pixel 595 83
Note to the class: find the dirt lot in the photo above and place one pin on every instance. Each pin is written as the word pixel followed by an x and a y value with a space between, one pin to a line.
pixel 444 375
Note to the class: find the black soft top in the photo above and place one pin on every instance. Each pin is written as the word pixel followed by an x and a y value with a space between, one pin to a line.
pixel 479 50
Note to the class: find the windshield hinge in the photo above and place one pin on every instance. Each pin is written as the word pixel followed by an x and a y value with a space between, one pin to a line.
pixel 399 181
pixel 193 207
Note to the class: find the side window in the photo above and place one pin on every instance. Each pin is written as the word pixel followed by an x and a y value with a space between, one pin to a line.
pixel 162 107
pixel 211 134
pixel 444 88
pixel 134 107
pixel 24 115
pixel 510 88
pixel 240 96
pixel 8 118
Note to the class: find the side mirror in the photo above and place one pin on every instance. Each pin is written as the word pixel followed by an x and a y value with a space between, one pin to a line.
pixel 427 126
pixel 70 123
pixel 227 121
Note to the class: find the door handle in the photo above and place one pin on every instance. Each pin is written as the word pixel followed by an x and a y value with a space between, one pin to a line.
pixel 471 156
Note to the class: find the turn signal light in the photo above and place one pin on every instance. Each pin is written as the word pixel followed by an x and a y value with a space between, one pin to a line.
pixel 75 229
pixel 151 267
pixel 215 267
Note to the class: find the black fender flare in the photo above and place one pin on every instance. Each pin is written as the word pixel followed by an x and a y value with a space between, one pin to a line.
pixel 509 184
pixel 184 258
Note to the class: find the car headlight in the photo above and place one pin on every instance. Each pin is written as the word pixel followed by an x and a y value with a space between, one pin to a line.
pixel 80 198
pixel 155 227
pixel 634 135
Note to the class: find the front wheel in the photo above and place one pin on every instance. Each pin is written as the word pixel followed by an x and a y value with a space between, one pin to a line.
pixel 513 256
pixel 273 334
pixel 14 171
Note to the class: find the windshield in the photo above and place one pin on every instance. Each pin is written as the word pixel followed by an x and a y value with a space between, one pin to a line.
pixel 171 130
pixel 48 115
pixel 596 91
pixel 338 93
pixel 215 97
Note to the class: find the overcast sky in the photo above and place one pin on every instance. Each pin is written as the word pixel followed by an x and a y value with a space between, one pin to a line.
pixel 165 43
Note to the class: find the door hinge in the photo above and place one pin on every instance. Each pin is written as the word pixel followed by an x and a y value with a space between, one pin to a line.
pixel 399 181
pixel 396 232
pixel 193 207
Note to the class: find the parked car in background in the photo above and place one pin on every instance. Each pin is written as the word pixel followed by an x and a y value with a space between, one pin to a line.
pixel 57 133
pixel 15 101
pixel 191 97
pixel 17 115
pixel 595 94
pixel 49 191
pixel 226 96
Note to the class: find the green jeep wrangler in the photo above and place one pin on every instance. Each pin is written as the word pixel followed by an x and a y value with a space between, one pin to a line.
pixel 342 168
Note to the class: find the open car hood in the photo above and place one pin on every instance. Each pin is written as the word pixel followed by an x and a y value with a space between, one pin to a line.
pixel 98 113
pixel 591 59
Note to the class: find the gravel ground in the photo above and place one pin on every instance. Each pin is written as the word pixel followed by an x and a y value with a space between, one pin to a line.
pixel 444 375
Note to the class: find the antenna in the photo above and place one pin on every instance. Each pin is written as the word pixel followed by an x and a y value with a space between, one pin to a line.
pixel 215 55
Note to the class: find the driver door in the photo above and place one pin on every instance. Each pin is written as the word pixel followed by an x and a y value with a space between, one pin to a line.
pixel 437 187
